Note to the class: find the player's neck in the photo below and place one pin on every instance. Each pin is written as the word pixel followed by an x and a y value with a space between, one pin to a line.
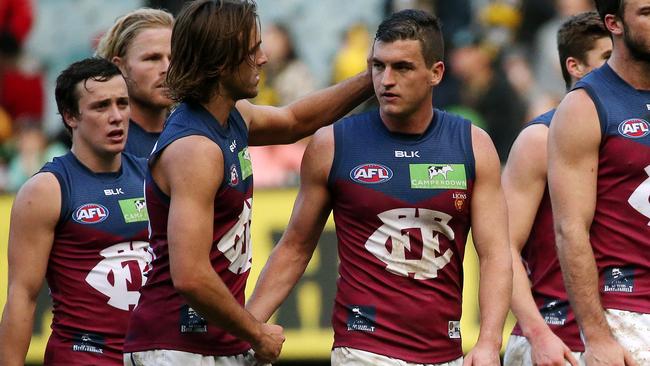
pixel 634 71
pixel 220 106
pixel 97 162
pixel 413 124
pixel 149 118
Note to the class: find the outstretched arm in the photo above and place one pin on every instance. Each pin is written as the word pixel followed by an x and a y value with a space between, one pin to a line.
pixel 191 170
pixel 573 148
pixel 292 254
pixel 33 219
pixel 282 125
pixel 490 233
pixel 524 183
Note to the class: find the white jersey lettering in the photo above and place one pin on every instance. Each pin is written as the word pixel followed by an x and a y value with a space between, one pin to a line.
pixel 117 263
pixel 397 223
pixel 640 198
pixel 236 243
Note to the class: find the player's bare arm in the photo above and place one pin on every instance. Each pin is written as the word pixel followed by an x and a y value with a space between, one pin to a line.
pixel 311 209
pixel 281 125
pixel 573 145
pixel 490 234
pixel 524 182
pixel 190 171
pixel 34 216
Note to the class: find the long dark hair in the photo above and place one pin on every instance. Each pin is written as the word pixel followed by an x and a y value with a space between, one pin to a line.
pixel 210 38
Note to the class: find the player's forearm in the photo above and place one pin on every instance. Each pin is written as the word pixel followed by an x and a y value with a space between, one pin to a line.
pixel 495 288
pixel 325 106
pixel 581 281
pixel 523 304
pixel 16 329
pixel 280 274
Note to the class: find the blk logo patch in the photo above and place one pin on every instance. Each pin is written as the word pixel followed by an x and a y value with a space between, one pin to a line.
pixel 438 176
pixel 371 173
pixel 90 213
pixel 634 128
pixel 361 318
pixel 619 279
pixel 555 312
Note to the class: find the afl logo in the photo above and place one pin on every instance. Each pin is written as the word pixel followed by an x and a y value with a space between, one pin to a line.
pixel 634 128
pixel 371 174
pixel 90 213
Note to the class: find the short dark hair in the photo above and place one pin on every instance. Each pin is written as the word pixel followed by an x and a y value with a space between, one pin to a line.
pixel 605 7
pixel 576 37
pixel 209 38
pixel 67 98
pixel 415 25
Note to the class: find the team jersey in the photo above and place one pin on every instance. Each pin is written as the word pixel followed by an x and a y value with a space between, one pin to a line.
pixel 98 260
pixel 163 319
pixel 140 142
pixel 401 207
pixel 543 267
pixel 620 231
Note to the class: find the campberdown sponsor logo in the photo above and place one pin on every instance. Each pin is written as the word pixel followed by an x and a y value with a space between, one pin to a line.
pixel 438 176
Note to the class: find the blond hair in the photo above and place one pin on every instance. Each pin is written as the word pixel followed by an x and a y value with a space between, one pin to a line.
pixel 116 41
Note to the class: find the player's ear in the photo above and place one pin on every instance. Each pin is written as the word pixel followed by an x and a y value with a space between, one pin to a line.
pixel 614 24
pixel 70 120
pixel 437 71
pixel 575 68
pixel 119 62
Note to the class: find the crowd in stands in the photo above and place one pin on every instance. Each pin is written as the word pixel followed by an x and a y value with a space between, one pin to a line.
pixel 501 65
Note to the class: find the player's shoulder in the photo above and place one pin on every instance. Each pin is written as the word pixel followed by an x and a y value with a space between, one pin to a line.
pixel 542 119
pixel 528 152
pixel 323 138
pixel 41 194
pixel 575 107
pixel 480 138
pixel 485 154
pixel 192 148
pixel 44 182
pixel 533 135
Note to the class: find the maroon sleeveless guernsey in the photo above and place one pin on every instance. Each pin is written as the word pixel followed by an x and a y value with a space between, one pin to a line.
pixel 541 261
pixel 98 262
pixel 620 232
pixel 401 206
pixel 163 319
